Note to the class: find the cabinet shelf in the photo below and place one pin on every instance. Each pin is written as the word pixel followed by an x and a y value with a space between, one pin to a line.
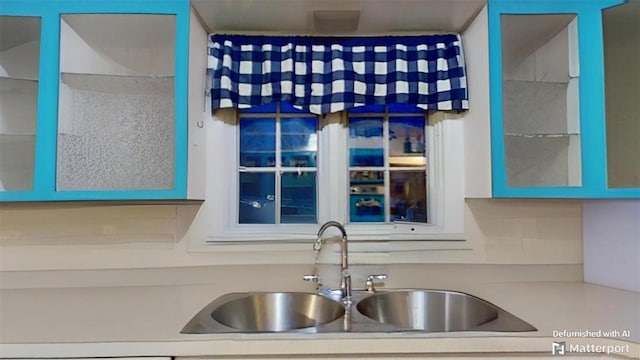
pixel 9 79
pixel 16 135
pixel 542 160
pixel 534 136
pixel 119 84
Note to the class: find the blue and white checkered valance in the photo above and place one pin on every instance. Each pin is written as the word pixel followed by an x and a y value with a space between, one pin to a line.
pixel 328 74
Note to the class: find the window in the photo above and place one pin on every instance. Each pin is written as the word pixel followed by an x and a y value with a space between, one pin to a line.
pixel 379 169
pixel 277 168
pixel 387 164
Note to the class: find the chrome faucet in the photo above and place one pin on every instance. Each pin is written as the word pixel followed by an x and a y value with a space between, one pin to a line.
pixel 345 283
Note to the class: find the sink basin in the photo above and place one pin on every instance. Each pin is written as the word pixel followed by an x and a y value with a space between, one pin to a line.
pixel 429 310
pixel 266 312
pixel 271 312
pixel 402 310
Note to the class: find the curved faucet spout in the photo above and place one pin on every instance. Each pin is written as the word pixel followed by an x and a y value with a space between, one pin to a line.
pixel 345 283
pixel 329 224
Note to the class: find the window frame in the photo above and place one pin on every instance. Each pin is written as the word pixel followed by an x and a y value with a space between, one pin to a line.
pixel 386 168
pixel 278 168
pixel 446 186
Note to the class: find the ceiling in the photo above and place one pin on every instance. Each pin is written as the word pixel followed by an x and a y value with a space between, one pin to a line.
pixel 348 17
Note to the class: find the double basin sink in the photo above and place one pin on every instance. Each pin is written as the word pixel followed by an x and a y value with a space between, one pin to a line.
pixel 415 310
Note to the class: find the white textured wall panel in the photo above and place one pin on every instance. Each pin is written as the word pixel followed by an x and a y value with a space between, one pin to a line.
pixel 116 133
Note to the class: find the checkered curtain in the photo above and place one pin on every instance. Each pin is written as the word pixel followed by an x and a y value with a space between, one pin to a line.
pixel 328 74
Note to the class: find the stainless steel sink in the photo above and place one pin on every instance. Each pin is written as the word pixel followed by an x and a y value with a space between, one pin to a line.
pixel 434 311
pixel 266 312
pixel 408 310
pixel 438 311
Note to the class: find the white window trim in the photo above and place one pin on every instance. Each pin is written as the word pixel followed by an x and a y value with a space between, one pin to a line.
pixel 446 188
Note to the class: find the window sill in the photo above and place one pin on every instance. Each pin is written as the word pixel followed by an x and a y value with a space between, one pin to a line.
pixel 300 251
pixel 236 243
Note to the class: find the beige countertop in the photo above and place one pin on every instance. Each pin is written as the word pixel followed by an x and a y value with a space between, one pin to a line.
pixel 137 320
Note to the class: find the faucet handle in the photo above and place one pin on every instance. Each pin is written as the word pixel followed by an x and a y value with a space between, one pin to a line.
pixel 311 278
pixel 370 286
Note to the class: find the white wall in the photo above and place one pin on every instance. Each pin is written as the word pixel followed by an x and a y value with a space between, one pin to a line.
pixel 477 141
pixel 612 243
pixel 199 108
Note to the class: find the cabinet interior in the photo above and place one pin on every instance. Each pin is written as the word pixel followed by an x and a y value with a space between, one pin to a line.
pixel 116 116
pixel 540 76
pixel 19 69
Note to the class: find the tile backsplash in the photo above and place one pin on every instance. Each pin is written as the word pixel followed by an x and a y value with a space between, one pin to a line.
pixel 97 236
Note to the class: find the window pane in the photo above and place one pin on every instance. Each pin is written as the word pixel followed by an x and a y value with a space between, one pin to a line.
pixel 391 189
pixel 299 142
pixel 257 198
pixel 407 141
pixel 278 134
pixel 298 198
pixel 366 199
pixel 258 142
pixel 408 196
pixel 622 90
pixel 366 142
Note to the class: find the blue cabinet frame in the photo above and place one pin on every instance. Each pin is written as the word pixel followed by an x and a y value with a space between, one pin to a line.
pixel 50 12
pixel 591 96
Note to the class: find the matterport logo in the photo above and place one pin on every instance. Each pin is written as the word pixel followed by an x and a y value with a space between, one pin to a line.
pixel 562 348
pixel 559 348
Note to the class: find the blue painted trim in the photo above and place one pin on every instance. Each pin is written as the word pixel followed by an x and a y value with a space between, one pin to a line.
pixel 23 196
pixel 182 99
pixel 48 88
pixel 47 123
pixel 498 158
pixel 592 115
pixel 568 193
pixel 592 95
pixel 549 6
pixel 34 7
